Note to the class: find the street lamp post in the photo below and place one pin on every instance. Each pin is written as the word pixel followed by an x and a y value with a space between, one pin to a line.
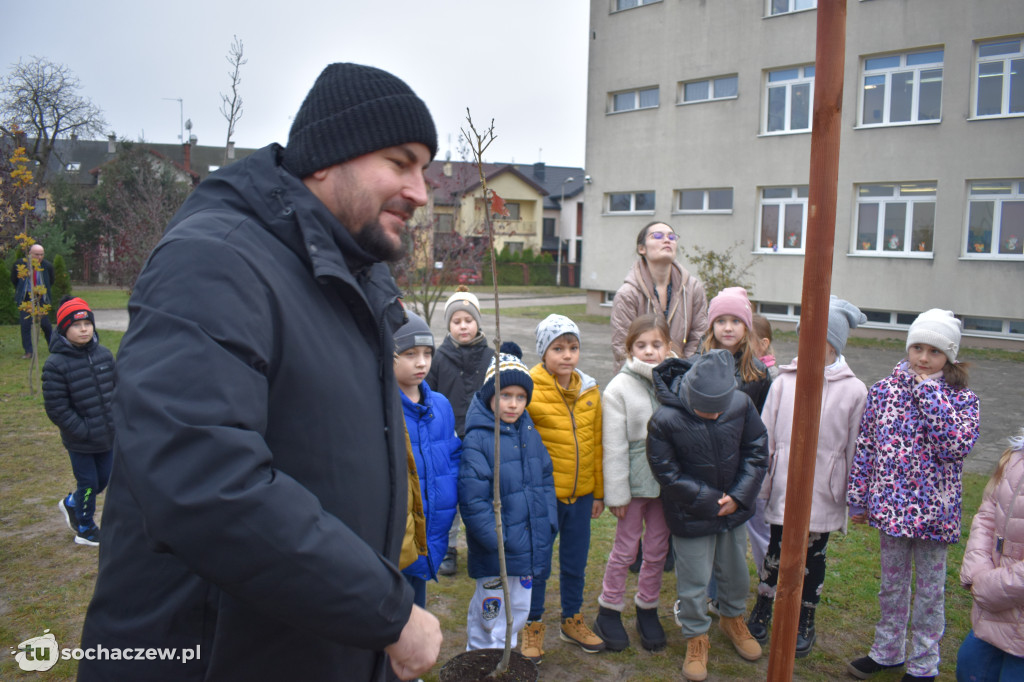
pixel 561 212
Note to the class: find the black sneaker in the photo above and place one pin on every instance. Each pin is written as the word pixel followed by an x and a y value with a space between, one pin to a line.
pixel 865 667
pixel 89 536
pixel 69 513
pixel 449 564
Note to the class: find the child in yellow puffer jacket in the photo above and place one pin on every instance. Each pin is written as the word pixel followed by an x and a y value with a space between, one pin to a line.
pixel 566 409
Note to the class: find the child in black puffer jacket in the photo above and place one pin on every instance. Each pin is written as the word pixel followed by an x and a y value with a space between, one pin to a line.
pixel 78 384
pixel 708 450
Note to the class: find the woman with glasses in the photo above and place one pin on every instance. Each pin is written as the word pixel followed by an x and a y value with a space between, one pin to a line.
pixel 658 284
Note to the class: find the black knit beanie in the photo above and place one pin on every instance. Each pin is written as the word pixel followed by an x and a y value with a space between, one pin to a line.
pixel 354 110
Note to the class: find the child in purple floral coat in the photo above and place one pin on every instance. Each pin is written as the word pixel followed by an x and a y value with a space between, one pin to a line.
pixel 919 424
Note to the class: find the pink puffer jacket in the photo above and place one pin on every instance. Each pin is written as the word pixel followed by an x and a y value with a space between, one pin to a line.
pixel 994 562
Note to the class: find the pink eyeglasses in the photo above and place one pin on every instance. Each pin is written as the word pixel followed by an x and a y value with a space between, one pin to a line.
pixel 671 236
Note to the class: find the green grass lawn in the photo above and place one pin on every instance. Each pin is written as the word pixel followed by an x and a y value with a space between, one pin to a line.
pixel 47 579
pixel 102 298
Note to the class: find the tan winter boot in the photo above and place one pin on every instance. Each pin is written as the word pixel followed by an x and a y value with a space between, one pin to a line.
pixel 532 645
pixel 695 667
pixel 574 630
pixel 736 630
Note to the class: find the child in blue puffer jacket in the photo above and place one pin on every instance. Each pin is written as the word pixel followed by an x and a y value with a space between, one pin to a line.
pixel 437 450
pixel 528 513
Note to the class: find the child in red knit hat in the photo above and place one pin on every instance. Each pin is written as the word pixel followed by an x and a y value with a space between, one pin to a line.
pixel 78 383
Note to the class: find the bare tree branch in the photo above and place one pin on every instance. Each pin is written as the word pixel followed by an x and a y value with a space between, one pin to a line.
pixel 231 107
pixel 41 98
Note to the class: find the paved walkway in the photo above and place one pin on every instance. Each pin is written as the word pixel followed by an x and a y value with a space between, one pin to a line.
pixel 996 382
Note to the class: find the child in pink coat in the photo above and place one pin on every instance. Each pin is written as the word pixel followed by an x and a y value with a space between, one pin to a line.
pixel 993 570
pixel 842 404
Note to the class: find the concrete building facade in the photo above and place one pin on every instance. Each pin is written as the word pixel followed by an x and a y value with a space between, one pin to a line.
pixel 699 114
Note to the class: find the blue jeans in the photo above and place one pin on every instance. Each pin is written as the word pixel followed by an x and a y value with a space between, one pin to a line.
pixel 419 590
pixel 92 472
pixel 26 330
pixel 979 661
pixel 574 529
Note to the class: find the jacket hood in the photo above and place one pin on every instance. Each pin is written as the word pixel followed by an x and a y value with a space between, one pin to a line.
pixel 840 371
pixel 262 189
pixel 667 378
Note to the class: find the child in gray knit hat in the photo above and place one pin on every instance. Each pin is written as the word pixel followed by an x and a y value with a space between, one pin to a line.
pixel 707 448
pixel 843 399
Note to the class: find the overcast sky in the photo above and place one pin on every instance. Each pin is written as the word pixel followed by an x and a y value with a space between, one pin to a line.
pixel 522 63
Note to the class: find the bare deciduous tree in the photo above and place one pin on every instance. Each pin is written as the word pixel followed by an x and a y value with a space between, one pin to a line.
pixel 231 107
pixel 42 98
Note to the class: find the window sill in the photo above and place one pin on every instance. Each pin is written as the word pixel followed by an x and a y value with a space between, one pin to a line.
pixel 729 212
pixel 1000 257
pixel 707 101
pixel 995 117
pixel 926 255
pixel 787 14
pixel 629 111
pixel 780 252
pixel 624 214
pixel 900 124
pixel 780 133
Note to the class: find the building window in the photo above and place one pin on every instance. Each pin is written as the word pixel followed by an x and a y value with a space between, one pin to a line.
pixel 445 222
pixel 704 201
pixel 40 207
pixel 631 202
pixel 630 4
pixel 513 210
pixel 902 88
pixel 644 98
pixel 895 218
pixel 790 95
pixel 786 6
pixel 1000 85
pixel 73 167
pixel 514 248
pixel 995 219
pixel 725 87
pixel 783 219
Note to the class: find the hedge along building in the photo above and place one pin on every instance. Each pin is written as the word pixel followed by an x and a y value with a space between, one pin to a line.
pixel 706 125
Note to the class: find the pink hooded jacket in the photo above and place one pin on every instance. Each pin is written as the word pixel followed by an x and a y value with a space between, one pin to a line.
pixel 994 570
pixel 842 403
pixel 687 316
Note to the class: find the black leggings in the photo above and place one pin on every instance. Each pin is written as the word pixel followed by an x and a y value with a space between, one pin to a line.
pixel 814 566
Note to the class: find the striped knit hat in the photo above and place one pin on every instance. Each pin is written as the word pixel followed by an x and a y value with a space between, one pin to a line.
pixel 513 373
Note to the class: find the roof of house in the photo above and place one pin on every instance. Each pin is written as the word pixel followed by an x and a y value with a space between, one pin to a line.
pixel 79 160
pixel 465 177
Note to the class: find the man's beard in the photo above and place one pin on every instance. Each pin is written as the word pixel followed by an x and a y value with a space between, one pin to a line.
pixel 373 240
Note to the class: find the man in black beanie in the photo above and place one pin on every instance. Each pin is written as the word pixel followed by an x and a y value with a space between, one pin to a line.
pixel 257 507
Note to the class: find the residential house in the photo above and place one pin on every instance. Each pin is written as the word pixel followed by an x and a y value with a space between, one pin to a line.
pixel 545 204
pixel 699 114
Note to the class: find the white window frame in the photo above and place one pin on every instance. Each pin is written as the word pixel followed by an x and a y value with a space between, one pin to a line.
pixel 1007 60
pixel 973 246
pixel 913 197
pixel 713 87
pixel 883 76
pixel 791 7
pixel 805 77
pixel 73 166
pixel 632 210
pixel 781 243
pixel 636 92
pixel 705 200
pixel 623 5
